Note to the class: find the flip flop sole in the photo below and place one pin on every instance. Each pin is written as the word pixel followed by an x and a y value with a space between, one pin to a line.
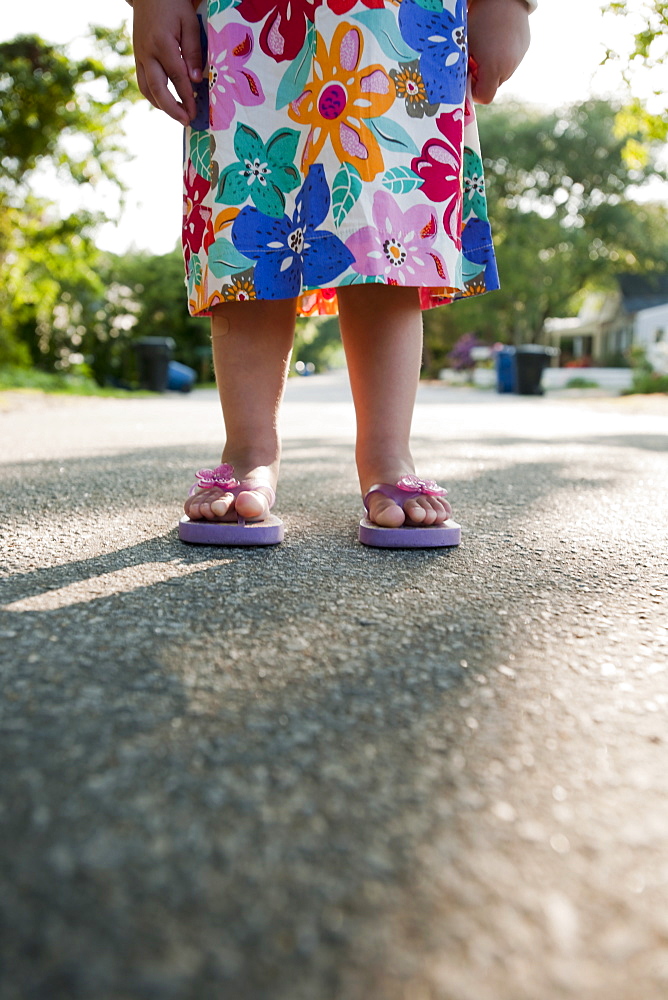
pixel 408 537
pixel 270 531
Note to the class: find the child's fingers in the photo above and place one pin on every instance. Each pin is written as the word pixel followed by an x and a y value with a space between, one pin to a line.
pixel 177 71
pixel 485 86
pixel 143 85
pixel 191 48
pixel 156 79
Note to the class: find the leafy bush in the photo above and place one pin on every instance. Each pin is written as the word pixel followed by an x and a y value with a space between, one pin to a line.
pixel 646 382
pixel 645 379
pixel 581 383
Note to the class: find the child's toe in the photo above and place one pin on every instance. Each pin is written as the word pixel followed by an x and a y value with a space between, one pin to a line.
pixel 385 512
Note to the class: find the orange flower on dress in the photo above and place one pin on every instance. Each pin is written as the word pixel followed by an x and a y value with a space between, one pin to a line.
pixel 338 99
pixel 240 289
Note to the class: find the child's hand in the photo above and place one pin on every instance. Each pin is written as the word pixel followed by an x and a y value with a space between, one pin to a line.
pixel 166 39
pixel 498 40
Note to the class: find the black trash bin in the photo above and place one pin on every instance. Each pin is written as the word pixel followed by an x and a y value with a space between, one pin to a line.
pixel 530 360
pixel 153 357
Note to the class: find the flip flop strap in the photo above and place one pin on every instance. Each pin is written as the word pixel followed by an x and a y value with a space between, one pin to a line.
pixel 400 494
pixel 222 478
pixel 246 484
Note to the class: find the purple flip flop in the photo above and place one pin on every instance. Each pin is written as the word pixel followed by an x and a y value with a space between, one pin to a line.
pixel 268 531
pixel 408 536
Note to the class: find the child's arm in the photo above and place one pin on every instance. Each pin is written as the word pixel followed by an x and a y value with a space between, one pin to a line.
pixel 166 42
pixel 498 40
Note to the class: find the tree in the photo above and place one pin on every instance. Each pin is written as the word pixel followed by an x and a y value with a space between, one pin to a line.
pixel 68 113
pixel 650 49
pixel 559 193
pixel 146 296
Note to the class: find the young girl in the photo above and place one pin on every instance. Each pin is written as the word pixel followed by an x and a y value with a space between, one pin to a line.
pixel 331 162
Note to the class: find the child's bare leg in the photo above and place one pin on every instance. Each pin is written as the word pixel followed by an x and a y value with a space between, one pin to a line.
pixel 381 328
pixel 251 354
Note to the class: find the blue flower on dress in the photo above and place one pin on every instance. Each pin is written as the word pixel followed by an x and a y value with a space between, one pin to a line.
pixel 440 38
pixel 477 249
pixel 291 252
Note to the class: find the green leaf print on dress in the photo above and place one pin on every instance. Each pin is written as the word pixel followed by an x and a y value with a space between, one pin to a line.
pixel 391 135
pixel 475 202
pixel 294 79
pixel 200 153
pixel 225 259
pixel 399 180
pixel 345 191
pixel 215 6
pixel 265 173
pixel 383 26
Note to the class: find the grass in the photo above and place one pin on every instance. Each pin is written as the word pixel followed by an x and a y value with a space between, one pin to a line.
pixel 581 383
pixel 647 382
pixel 32 379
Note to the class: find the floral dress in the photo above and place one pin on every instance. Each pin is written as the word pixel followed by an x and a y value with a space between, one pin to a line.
pixel 335 144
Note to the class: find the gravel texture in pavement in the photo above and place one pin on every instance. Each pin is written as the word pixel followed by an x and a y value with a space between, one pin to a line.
pixel 319 771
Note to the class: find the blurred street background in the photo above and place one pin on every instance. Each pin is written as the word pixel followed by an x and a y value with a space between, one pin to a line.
pixel 321 772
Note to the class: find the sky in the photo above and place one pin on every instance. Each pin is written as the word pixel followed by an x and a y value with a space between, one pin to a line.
pixel 569 39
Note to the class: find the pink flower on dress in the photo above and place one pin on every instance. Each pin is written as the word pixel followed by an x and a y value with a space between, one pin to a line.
pixel 195 215
pixel 440 167
pixel 398 247
pixel 229 82
pixel 343 6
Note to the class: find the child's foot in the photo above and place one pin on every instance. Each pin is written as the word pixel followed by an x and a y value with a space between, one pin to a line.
pixel 424 510
pixel 215 503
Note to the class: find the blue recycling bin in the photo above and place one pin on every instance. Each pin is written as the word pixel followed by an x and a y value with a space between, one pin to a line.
pixel 506 371
pixel 180 378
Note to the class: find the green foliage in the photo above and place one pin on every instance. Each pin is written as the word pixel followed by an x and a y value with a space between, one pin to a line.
pixel 46 98
pixel 71 384
pixel 640 128
pixel 581 383
pixel 318 341
pixel 146 297
pixel 562 217
pixel 645 379
pixel 67 113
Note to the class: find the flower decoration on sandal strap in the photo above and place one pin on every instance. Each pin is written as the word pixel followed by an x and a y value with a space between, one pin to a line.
pixel 426 486
pixel 222 478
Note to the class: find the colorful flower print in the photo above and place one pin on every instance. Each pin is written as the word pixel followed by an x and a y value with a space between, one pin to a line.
pixel 411 89
pixel 398 248
pixel 440 167
pixel 230 83
pixel 475 202
pixel 343 6
pixel 195 215
pixel 264 172
pixel 338 99
pixel 285 24
pixel 240 289
pixel 474 286
pixel 477 248
pixel 290 251
pixel 440 38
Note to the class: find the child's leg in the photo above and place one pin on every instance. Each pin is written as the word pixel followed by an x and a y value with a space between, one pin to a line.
pixel 381 328
pixel 251 354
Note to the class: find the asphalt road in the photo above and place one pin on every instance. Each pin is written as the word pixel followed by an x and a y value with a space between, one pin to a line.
pixel 321 772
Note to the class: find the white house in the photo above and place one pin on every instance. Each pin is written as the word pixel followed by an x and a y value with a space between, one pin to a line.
pixel 651 333
pixel 610 322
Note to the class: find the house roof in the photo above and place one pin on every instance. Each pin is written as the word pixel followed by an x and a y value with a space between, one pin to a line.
pixel 642 291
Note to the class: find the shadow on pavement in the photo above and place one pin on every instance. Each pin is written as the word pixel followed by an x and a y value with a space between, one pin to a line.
pixel 243 773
